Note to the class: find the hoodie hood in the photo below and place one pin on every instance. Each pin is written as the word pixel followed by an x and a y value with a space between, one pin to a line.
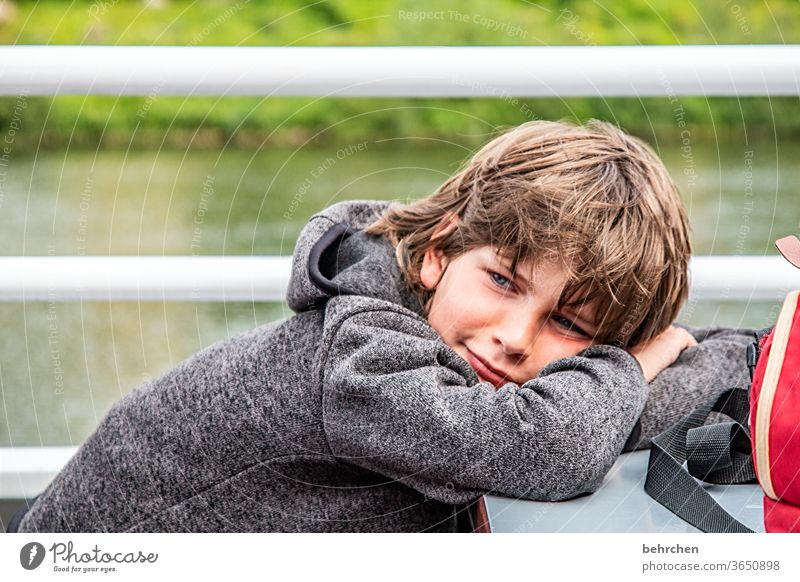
pixel 333 256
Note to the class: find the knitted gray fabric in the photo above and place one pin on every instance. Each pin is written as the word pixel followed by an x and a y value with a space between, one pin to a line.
pixel 355 416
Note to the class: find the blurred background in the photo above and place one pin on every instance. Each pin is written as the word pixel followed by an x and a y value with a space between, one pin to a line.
pixel 161 175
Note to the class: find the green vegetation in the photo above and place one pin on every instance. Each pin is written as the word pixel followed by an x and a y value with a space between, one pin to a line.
pixel 250 122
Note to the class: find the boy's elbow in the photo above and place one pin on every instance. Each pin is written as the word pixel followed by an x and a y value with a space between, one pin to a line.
pixel 574 457
pixel 580 471
pixel 574 482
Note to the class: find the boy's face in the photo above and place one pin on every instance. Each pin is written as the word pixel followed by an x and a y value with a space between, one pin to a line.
pixel 510 323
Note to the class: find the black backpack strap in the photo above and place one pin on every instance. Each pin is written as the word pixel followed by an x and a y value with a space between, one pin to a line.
pixel 715 453
pixel 754 349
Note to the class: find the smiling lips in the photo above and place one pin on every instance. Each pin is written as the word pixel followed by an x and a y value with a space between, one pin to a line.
pixel 485 371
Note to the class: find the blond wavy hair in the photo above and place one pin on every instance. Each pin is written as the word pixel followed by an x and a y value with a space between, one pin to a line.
pixel 593 198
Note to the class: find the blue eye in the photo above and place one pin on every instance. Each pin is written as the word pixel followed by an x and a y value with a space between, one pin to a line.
pixel 568 325
pixel 499 280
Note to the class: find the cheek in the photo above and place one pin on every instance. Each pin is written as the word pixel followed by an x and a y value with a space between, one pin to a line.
pixel 440 316
pixel 555 346
pixel 474 310
pixel 456 314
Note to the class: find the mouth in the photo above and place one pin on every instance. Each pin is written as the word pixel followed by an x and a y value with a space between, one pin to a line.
pixel 485 371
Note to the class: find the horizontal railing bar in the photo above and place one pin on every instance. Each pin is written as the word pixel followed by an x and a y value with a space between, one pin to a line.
pixel 266 278
pixel 739 278
pixel 190 278
pixel 408 71
pixel 26 471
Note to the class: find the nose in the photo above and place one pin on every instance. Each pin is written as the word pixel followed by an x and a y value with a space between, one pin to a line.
pixel 518 331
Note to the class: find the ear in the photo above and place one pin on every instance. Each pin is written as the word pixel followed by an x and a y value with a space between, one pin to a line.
pixel 434 262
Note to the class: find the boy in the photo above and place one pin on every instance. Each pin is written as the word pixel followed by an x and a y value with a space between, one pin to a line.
pixel 472 342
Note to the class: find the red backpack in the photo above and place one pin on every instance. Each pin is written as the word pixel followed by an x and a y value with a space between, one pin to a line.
pixel 775 411
pixel 762 441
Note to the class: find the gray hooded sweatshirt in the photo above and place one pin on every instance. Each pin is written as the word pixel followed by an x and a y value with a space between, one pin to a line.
pixel 354 415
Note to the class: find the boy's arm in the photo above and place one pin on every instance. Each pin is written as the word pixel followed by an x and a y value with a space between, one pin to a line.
pixel 701 372
pixel 397 401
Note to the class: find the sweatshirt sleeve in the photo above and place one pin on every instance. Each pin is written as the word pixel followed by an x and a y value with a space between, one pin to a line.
pixel 716 363
pixel 398 401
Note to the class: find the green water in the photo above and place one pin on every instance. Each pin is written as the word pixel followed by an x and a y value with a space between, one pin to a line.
pixel 63 364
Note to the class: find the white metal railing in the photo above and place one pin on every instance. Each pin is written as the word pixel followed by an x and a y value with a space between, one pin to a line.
pixel 26 471
pixel 411 71
pixel 501 72
pixel 241 278
pixel 195 278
